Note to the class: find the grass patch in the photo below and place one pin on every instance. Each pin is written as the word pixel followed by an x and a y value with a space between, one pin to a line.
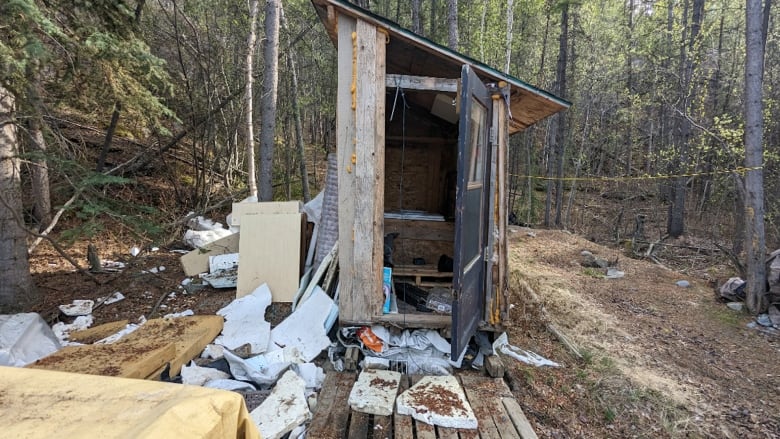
pixel 593 272
pixel 728 316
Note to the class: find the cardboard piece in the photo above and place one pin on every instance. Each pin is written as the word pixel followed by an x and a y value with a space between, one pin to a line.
pixel 264 208
pixel 270 253
pixel 197 261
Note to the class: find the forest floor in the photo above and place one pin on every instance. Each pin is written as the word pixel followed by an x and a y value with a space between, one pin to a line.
pixel 659 360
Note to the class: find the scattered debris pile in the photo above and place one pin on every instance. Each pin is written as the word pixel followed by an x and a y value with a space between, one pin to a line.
pixel 278 369
pixel 733 293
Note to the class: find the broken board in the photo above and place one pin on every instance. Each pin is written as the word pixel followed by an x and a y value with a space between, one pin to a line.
pixel 95 333
pixel 141 354
pixel 126 360
pixel 190 335
pixel 197 261
pixel 270 253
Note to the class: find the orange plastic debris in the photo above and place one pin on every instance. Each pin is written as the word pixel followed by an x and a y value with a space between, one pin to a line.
pixel 369 339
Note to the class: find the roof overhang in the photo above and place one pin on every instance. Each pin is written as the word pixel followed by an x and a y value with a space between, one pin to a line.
pixel 411 54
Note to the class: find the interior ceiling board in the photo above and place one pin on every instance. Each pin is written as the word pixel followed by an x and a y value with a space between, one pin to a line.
pixel 411 54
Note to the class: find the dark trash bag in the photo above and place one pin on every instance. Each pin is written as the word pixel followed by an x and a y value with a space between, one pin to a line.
pixel 733 290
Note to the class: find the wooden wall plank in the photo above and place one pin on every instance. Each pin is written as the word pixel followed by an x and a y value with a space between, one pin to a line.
pixel 369 192
pixel 377 160
pixel 345 147
pixel 429 83
pixel 424 230
pixel 491 208
pixel 502 291
pixel 432 321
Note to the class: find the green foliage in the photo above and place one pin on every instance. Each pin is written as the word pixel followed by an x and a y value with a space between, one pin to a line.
pixel 87 58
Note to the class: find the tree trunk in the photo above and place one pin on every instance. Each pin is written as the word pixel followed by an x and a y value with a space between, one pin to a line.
pixel 251 44
pixel 16 286
pixel 452 24
pixel 549 157
pixel 676 222
pixel 560 134
pixel 416 18
pixel 755 243
pixel 482 22
pixel 432 23
pixel 39 168
pixel 101 163
pixel 270 84
pixel 296 109
pixel 510 19
pixel 40 176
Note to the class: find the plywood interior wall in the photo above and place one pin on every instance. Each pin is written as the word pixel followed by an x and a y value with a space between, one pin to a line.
pixel 421 239
pixel 420 176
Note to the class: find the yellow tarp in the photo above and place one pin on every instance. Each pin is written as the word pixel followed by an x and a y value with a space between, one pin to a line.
pixel 45 404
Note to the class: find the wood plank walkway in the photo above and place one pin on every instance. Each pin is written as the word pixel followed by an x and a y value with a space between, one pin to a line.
pixel 498 413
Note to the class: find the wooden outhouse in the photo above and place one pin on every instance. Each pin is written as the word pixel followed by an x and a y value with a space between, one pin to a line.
pixel 422 135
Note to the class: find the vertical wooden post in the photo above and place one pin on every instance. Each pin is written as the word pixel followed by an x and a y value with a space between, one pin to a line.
pixel 345 148
pixel 361 169
pixel 502 288
pixel 491 207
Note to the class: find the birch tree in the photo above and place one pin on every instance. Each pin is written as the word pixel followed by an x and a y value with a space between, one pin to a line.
pixel 251 45
pixel 268 99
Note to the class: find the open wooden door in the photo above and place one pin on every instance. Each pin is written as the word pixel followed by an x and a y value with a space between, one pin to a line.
pixel 470 213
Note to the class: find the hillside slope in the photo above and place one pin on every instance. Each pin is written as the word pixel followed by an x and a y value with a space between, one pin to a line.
pixel 659 360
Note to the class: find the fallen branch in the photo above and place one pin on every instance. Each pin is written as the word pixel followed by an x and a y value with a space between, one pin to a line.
pixel 563 339
pixel 654 259
pixel 157 305
pixel 53 222
pixel 573 350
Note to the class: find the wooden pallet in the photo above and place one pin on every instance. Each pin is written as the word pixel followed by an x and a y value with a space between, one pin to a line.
pixel 498 414
pixel 424 276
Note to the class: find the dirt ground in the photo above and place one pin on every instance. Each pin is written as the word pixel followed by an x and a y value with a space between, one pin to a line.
pixel 658 360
